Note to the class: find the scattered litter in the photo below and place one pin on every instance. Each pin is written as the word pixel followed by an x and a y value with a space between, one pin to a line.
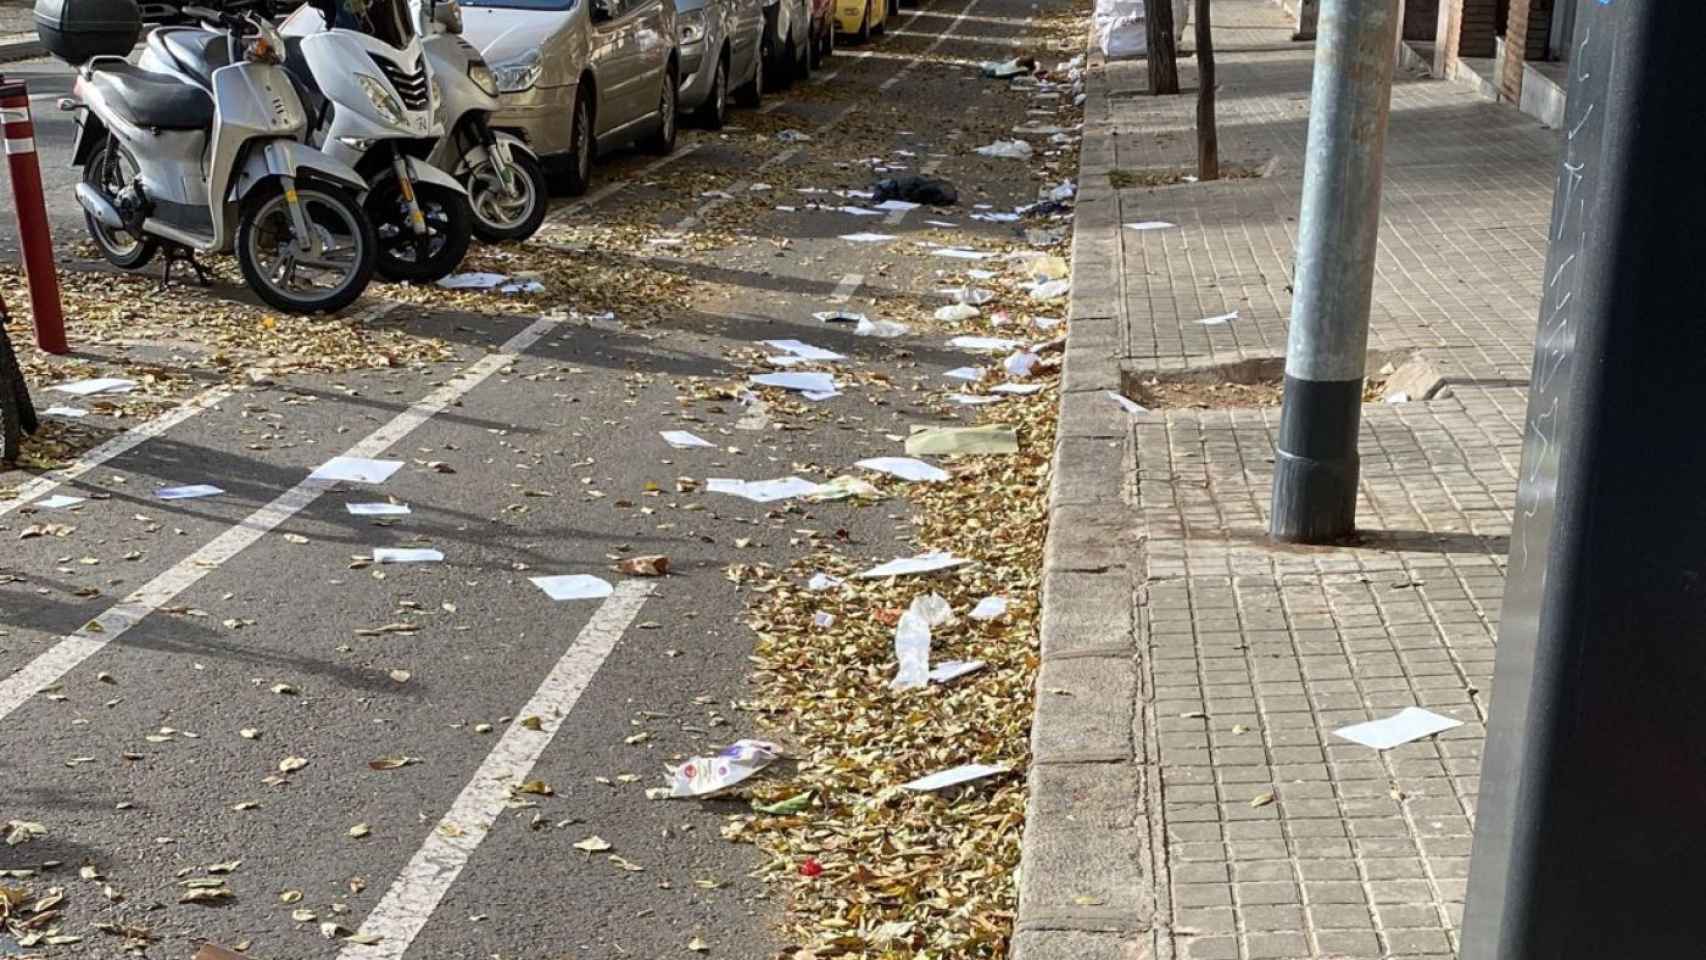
pixel 838 316
pixel 1021 364
pixel 973 374
pixel 1006 149
pixel 377 509
pixel 86 388
pixel 1150 225
pixel 845 487
pixel 944 224
pixel 1033 129
pixel 985 344
pixel 762 491
pixel 1065 191
pixel 575 586
pixel 957 311
pixel 1051 290
pixel 716 195
pixel 989 608
pixel 994 438
pixel 682 440
pixel 972 399
pixel 58 501
pixel 1398 397
pixel 905 468
pixel 793 136
pixel 522 286
pixel 996 217
pixel 882 329
pixel 472 281
pixel 704 776
pixel 897 206
pixel 954 669
pixel 69 412
pixel 954 777
pixel 823 621
pixel 959 254
pixel 867 237
pixel 1131 406
pixel 1217 321
pixel 1021 389
pixel 814 385
pixel 912 640
pixel 1003 69
pixel 805 351
pixel 356 470
pixel 646 565
pixel 190 492
pixel 406 555
pixel 923 563
pixel 860 212
pixel 761 188
pixel 926 191
pixel 823 581
pixel 1410 723
pixel 975 296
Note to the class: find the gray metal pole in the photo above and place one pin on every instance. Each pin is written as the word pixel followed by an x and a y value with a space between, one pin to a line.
pixel 1315 462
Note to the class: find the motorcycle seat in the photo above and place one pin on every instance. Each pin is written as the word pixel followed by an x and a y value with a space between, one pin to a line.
pixel 154 100
pixel 196 52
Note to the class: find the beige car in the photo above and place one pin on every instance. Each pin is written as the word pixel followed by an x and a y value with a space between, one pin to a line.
pixel 579 77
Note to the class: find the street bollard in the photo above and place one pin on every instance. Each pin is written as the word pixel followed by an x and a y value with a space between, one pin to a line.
pixel 37 242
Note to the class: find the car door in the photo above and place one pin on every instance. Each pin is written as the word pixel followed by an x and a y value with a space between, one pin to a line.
pixel 616 65
pixel 654 40
pixel 748 35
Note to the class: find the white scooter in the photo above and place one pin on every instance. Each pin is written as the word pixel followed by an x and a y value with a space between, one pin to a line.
pixel 213 169
pixel 370 93
pixel 505 180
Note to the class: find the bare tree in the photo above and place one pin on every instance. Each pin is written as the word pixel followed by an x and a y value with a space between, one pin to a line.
pixel 1163 53
pixel 1208 136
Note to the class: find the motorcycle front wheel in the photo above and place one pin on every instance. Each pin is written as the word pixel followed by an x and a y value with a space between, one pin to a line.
pixel 499 217
pixel 407 256
pixel 280 273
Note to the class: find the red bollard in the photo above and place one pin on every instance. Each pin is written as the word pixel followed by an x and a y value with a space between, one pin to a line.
pixel 20 143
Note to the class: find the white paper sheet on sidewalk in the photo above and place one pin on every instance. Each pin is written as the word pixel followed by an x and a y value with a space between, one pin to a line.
pixel 356 470
pixel 86 388
pixel 954 777
pixel 859 212
pixel 574 586
pixel 1410 723
pixel 58 501
pixel 972 399
pixel 985 344
pixel 1151 225
pixel 682 440
pixel 804 351
pixel 881 329
pixel 897 206
pixel 905 468
pixel 959 254
pixel 472 281
pixel 377 509
pixel 189 492
pixel 954 669
pixel 1020 389
pixel 923 563
pixel 808 383
pixel 989 608
pixel 1217 321
pixel 867 237
pixel 823 581
pixel 973 374
pixel 69 412
pixel 761 491
pixel 406 555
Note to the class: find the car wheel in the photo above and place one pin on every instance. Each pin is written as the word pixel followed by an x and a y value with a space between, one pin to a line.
pixel 662 141
pixel 715 112
pixel 579 175
pixel 752 94
pixel 864 34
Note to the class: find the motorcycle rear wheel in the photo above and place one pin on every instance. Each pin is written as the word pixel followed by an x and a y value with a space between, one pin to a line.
pixel 121 248
pixel 498 218
pixel 266 251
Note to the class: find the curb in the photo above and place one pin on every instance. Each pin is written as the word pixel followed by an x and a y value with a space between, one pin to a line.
pixel 27 48
pixel 1087 887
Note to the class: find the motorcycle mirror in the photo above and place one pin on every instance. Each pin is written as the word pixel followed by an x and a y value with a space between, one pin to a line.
pixel 447 14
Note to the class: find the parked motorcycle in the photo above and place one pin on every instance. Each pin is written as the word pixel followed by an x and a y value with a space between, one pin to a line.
pixel 17 412
pixel 504 178
pixel 186 168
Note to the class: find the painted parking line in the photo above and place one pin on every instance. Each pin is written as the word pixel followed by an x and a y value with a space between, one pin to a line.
pixel 76 647
pixel 844 290
pixel 416 892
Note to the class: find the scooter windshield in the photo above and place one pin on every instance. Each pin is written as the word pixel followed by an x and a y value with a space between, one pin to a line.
pixel 391 21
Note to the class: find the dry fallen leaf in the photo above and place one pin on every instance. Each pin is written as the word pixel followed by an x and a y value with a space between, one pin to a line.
pixel 1261 799
pixel 392 763
pixel 650 565
pixel 292 764
pixel 698 945
pixel 360 830
pixel 593 844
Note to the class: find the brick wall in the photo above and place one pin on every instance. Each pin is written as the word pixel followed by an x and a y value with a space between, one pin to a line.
pixel 1466 30
pixel 1525 39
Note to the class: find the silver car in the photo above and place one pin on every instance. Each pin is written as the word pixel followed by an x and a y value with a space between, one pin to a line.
pixel 577 78
pixel 722 49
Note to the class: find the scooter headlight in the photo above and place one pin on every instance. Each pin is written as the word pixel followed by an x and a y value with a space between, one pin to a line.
pixel 382 100
pixel 482 77
pixel 518 74
pixel 692 24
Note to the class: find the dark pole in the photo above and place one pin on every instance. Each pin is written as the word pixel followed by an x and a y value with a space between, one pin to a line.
pixel 1163 52
pixel 1208 138
pixel 1589 838
pixel 1315 458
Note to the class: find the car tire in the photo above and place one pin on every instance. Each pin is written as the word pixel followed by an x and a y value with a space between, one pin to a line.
pixel 715 111
pixel 577 177
pixel 751 94
pixel 662 141
pixel 880 21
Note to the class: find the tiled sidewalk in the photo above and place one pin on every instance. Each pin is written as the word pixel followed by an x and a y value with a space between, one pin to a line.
pixel 1255 832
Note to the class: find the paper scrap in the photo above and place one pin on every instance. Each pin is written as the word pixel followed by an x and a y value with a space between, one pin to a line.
pixel 804 351
pixel 912 640
pixel 972 399
pixel 882 329
pixel 866 237
pixel 923 563
pixel 954 777
pixel 1131 406
pixel 838 316
pixel 897 206
pixel 905 468
pixel 859 212
pixel 58 501
pixel 957 311
pixel 190 492
pixel 808 383
pixel 1217 321
pixel 682 440
pixel 356 470
pixel 70 412
pixel 472 281
pixel 958 254
pixel 762 491
pixel 985 344
pixel 703 776
pixel 377 509
pixel 1408 724
pixel 954 669
pixel 1150 225
pixel 406 555
pixel 1021 364
pixel 843 488
pixel 943 441
pixel 574 586
pixel 85 388
pixel 1022 389
pixel 823 581
pixel 973 374
pixel 989 608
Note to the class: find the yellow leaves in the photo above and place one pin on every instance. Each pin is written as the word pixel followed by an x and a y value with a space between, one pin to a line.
pixel 538 788
pixel 594 844
pixel 292 764
pixel 360 831
pixel 392 763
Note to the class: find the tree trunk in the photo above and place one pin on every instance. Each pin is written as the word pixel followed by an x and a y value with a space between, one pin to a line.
pixel 1163 55
pixel 1208 136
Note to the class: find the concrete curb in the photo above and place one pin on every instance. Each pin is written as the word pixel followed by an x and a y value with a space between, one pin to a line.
pixel 27 48
pixel 1087 888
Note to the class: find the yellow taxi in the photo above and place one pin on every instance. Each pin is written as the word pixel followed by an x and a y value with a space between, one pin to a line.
pixel 863 18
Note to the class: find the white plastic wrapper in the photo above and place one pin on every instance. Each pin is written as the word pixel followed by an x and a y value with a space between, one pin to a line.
pixel 704 776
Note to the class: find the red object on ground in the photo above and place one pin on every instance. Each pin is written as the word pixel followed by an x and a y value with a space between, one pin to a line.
pixel 810 868
pixel 20 145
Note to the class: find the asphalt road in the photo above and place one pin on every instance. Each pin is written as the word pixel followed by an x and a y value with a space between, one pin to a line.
pixel 535 452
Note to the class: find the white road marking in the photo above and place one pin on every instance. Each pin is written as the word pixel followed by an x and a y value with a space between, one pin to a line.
pixel 844 289
pixel 918 59
pixel 745 186
pixel 411 899
pixel 86 641
pixel 142 432
pixel 567 210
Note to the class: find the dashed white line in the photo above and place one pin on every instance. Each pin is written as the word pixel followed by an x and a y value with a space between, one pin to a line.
pixel 86 641
pixel 411 899
pixel 844 289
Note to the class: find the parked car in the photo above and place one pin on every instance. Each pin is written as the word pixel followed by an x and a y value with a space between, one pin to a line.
pixel 578 78
pixel 722 49
pixel 823 31
pixel 788 30
pixel 863 19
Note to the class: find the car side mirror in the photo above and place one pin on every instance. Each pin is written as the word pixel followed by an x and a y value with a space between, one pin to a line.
pixel 603 11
